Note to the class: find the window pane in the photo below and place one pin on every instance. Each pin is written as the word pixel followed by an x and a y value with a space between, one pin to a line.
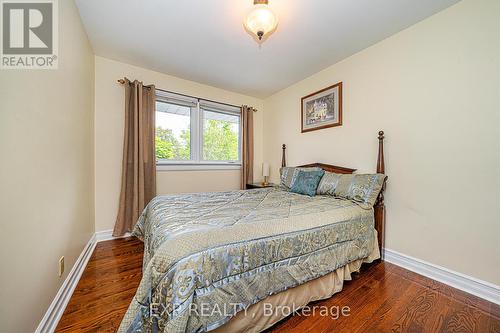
pixel 220 136
pixel 173 123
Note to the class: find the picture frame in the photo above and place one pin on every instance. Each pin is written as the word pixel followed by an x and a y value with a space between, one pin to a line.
pixel 322 109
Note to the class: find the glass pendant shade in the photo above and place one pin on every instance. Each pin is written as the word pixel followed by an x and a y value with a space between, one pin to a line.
pixel 261 22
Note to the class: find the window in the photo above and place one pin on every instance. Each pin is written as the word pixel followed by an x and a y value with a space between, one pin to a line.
pixel 173 132
pixel 192 132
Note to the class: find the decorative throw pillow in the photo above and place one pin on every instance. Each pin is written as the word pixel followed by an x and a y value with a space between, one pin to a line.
pixel 307 182
pixel 288 175
pixel 362 189
pixel 328 183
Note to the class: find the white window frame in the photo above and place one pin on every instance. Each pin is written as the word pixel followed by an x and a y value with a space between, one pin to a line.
pixel 197 106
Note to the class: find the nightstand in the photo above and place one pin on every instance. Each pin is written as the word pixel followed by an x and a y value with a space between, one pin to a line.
pixel 259 185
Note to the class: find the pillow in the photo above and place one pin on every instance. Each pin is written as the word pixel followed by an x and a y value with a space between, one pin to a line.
pixel 328 183
pixel 362 189
pixel 307 182
pixel 288 175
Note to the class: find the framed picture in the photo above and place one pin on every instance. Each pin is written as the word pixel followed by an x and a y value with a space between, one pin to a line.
pixel 322 109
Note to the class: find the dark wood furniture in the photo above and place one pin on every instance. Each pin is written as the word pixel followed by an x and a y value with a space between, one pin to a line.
pixel 329 167
pixel 379 207
pixel 260 185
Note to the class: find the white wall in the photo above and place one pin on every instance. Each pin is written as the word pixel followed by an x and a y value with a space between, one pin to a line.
pixel 46 174
pixel 109 123
pixel 435 90
pixel 169 182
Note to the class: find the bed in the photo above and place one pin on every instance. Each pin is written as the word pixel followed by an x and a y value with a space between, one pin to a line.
pixel 214 261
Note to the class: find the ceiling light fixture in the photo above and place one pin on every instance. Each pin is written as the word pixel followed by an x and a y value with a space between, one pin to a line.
pixel 261 21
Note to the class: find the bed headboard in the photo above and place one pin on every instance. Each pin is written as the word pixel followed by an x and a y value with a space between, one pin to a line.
pixel 330 168
pixel 379 207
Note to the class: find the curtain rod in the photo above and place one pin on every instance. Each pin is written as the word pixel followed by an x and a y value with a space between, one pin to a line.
pixel 122 81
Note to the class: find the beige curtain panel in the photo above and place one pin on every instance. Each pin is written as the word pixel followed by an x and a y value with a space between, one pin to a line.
pixel 139 160
pixel 247 146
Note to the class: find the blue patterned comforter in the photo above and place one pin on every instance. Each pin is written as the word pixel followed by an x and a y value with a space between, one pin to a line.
pixel 211 250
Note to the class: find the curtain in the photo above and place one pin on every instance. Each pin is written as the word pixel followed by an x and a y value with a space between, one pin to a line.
pixel 247 146
pixel 138 185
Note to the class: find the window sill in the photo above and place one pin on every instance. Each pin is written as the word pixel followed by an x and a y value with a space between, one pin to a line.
pixel 196 167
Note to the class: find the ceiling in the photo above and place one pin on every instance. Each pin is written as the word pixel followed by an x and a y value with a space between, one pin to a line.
pixel 204 40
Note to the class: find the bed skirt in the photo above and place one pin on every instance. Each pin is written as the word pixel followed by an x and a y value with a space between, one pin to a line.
pixel 256 318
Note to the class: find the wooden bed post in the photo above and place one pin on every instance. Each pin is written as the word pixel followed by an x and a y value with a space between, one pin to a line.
pixel 379 207
pixel 283 157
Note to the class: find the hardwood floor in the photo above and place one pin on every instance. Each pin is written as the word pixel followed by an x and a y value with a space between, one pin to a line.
pixel 382 298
